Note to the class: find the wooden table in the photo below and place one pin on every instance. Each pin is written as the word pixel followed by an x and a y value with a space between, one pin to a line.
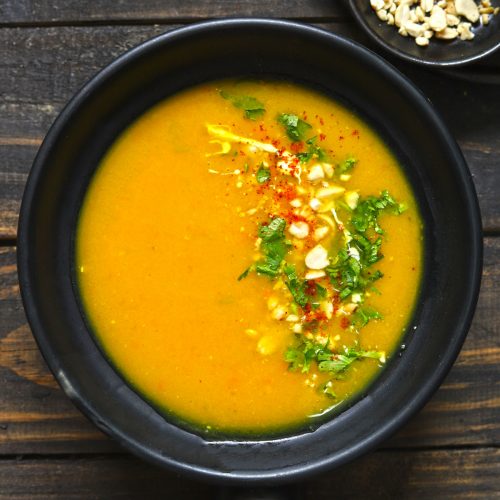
pixel 47 448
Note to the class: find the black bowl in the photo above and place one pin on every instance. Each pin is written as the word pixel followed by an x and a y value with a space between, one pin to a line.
pixel 439 53
pixel 263 49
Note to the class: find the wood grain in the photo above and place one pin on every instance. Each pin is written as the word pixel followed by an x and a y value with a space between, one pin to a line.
pixel 160 11
pixel 36 417
pixel 42 67
pixel 458 474
pixel 48 450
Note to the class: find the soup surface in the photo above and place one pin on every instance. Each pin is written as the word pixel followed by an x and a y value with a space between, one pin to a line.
pixel 249 254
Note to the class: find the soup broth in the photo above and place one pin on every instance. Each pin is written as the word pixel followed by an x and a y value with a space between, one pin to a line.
pixel 248 255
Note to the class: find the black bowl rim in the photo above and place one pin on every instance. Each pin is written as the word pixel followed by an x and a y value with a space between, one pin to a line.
pixel 284 474
pixel 461 61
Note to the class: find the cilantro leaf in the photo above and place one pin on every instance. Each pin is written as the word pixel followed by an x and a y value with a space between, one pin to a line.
pixel 295 128
pixel 274 252
pixel 302 356
pixel 313 151
pixel 364 315
pixel 369 250
pixel 340 362
pixel 365 215
pixel 244 274
pixel 272 231
pixel 296 286
pixel 254 114
pixel 295 358
pixel 304 292
pixel 346 166
pixel 349 271
pixel 274 247
pixel 345 273
pixel 263 174
pixel 306 352
pixel 327 389
pixel 252 107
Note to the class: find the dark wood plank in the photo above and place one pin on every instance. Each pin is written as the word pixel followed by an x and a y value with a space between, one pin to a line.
pixel 74 11
pixel 437 474
pixel 34 412
pixel 472 113
pixel 466 409
pixel 36 417
pixel 457 474
pixel 16 159
pixel 42 67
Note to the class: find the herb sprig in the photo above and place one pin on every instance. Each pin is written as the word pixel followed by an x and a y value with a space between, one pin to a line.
pixel 274 247
pixel 313 152
pixel 346 166
pixel 306 352
pixel 263 174
pixel 350 272
pixel 252 107
pixel 365 215
pixel 304 292
pixel 296 128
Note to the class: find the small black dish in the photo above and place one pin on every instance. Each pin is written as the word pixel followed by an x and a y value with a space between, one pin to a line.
pixel 263 49
pixel 439 53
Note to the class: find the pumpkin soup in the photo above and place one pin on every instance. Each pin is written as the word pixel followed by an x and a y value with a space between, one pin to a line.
pixel 248 255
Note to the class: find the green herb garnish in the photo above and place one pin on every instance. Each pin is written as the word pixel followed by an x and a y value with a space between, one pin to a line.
pixel 274 247
pixel 295 128
pixel 340 362
pixel 295 286
pixel 346 166
pixel 313 151
pixel 364 315
pixel 301 356
pixel 252 107
pixel 274 230
pixel 349 271
pixel 303 292
pixel 244 274
pixel 327 390
pixel 263 174
pixel 365 215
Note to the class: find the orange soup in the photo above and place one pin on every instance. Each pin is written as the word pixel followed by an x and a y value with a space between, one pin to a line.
pixel 249 255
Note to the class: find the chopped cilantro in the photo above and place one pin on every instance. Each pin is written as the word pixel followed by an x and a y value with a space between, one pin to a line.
pixel 244 274
pixel 301 356
pixel 364 315
pixel 295 128
pixel 365 215
pixel 295 286
pixel 273 246
pixel 252 107
pixel 346 166
pixel 345 273
pixel 313 151
pixel 340 362
pixel 272 231
pixel 327 389
pixel 274 252
pixel 369 250
pixel 263 174
pixel 349 270
pixel 303 292
pixel 349 274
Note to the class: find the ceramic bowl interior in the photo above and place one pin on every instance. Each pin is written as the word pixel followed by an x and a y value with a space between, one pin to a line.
pixel 261 49
pixel 438 53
